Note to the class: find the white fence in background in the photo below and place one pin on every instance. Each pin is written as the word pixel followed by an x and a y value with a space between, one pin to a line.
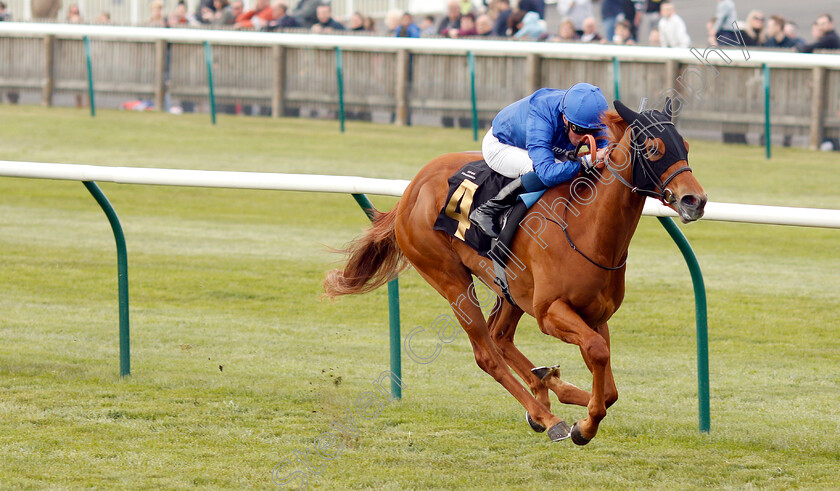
pixel 725 212
pixel 419 81
pixel 589 52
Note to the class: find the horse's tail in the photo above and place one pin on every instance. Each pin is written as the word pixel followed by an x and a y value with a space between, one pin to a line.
pixel 374 258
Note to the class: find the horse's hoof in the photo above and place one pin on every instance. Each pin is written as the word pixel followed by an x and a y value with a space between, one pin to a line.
pixel 559 432
pixel 543 372
pixel 534 425
pixel 540 372
pixel 577 438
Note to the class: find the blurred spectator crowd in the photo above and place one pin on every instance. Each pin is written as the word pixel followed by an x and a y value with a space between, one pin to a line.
pixel 642 22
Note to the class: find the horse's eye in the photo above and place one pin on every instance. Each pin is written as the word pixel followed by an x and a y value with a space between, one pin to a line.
pixel 654 149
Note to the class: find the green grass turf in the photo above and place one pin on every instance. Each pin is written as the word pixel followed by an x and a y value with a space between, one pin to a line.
pixel 238 365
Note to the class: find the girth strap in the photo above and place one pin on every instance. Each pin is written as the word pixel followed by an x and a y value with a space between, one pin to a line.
pixel 501 276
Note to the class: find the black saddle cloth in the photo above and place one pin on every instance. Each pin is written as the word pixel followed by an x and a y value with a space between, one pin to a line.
pixel 474 184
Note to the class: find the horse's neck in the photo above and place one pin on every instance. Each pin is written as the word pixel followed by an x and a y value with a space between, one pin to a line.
pixel 609 220
pixel 620 213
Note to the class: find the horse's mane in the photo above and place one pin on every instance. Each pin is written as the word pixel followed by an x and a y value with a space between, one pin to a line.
pixel 615 125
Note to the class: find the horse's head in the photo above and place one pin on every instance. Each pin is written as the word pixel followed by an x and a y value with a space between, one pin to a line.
pixel 659 157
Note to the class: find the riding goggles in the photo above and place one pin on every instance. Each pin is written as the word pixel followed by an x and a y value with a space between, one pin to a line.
pixel 580 130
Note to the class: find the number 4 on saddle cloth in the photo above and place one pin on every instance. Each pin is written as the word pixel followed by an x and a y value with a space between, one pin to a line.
pixel 471 186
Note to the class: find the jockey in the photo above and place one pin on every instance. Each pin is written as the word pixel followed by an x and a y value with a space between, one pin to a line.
pixel 533 139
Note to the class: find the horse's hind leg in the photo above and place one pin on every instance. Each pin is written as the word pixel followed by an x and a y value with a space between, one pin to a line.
pixel 503 324
pixel 453 280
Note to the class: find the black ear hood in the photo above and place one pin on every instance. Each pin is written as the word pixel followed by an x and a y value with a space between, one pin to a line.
pixel 625 112
pixel 668 111
pixel 647 174
pixel 631 116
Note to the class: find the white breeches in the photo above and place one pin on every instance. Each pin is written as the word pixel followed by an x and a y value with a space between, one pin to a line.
pixel 505 159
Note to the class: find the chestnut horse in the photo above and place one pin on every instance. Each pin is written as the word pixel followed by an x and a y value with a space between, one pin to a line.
pixel 569 268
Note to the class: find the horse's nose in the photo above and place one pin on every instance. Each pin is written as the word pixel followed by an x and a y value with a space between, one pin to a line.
pixel 691 206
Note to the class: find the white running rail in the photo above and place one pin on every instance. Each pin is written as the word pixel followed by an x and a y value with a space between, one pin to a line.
pixel 726 212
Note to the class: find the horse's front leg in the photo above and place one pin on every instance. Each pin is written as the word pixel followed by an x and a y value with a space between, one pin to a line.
pixel 610 390
pixel 454 284
pixel 502 329
pixel 561 321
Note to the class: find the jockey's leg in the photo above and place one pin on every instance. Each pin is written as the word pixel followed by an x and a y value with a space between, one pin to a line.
pixel 486 216
pixel 508 161
pixel 505 159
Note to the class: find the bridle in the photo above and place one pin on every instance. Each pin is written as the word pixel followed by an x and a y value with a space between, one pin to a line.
pixel 660 192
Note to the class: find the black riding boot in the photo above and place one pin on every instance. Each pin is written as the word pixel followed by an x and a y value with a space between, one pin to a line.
pixel 486 216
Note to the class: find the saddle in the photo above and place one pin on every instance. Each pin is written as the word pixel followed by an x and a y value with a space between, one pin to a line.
pixel 474 184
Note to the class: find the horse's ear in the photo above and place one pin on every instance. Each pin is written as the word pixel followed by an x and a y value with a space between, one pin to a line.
pixel 625 112
pixel 668 110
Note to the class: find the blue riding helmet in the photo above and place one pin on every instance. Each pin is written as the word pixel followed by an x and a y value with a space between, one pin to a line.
pixel 583 106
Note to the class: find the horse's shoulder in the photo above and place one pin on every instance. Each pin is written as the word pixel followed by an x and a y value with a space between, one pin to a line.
pixel 563 190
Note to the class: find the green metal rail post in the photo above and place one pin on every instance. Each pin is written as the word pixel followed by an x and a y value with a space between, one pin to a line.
pixel 208 58
pixel 394 328
pixel 767 138
pixel 471 63
pixel 122 274
pixel 339 73
pixel 617 77
pixel 701 319
pixel 90 77
pixel 393 312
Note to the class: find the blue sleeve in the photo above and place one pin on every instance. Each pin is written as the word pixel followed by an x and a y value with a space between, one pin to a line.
pixel 540 129
pixel 539 132
pixel 554 174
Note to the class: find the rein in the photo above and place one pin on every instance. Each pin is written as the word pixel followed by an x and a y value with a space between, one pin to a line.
pixel 574 247
pixel 663 194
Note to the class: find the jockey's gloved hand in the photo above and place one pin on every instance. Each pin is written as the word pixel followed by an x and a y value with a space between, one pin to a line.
pixel 565 155
pixel 586 162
